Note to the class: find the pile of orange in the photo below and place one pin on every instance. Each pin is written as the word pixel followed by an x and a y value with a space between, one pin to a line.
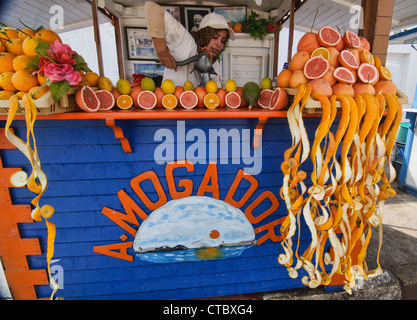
pixel 17 50
pixel 315 44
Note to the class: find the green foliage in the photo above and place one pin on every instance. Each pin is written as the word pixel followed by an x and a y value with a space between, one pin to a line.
pixel 257 28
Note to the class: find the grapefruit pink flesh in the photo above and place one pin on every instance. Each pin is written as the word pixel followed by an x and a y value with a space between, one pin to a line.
pixel 328 37
pixel 368 73
pixel 316 67
pixel 352 39
pixel 188 99
pixel 279 100
pixel 348 60
pixel 265 98
pixel 344 75
pixel 233 100
pixel 87 100
pixel 147 99
pixel 106 99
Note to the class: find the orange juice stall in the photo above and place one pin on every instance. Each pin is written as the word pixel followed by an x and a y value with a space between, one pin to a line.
pixel 137 187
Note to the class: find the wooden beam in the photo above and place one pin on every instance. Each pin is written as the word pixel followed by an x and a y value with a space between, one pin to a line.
pixel 97 37
pixel 377 25
pixel 291 32
pixel 278 29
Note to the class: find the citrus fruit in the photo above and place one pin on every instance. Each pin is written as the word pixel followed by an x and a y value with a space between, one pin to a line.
pixel 221 93
pixel 328 76
pixel 38 91
pixel 169 101
pixel 321 52
pixel 6 62
pixel 279 99
pixel 201 93
pixel 168 86
pixel 308 42
pixel 87 100
pixel 365 43
pixel 243 102
pixel 233 100
pixel 106 99
pixel 265 98
pixel 316 67
pixel 26 33
pixel 48 35
pixel 124 101
pixel 340 45
pixel 20 94
pixel 147 99
pixel 334 53
pixel 211 86
pixel 2 47
pixel 47 211
pixel 368 73
pixel 360 88
pixel 188 99
pixel 6 81
pixel 351 39
pixel 299 60
pixel 266 83
pixel 105 83
pixel 386 86
pixel 211 100
pixel 115 93
pixel 178 91
pixel 29 45
pixel 237 27
pixel 366 57
pixel 9 33
pixel 21 62
pixel 328 37
pixel 188 86
pixel 134 94
pixel 41 79
pixel 14 46
pixel 298 78
pixel 343 88
pixel 123 86
pixel 283 78
pixel 230 85
pixel 321 86
pixel 148 84
pixel 344 75
pixel 348 60
pixel 5 95
pixel 385 73
pixel 159 95
pixel 91 79
pixel 23 80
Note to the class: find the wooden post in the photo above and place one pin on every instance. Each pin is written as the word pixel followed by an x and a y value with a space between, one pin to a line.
pixel 291 32
pixel 278 29
pixel 377 25
pixel 97 37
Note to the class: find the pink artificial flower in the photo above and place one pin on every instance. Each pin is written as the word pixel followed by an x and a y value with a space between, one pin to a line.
pixel 60 72
pixel 43 62
pixel 61 53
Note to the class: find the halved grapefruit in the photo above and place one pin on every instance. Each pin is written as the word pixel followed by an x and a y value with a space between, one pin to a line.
pixel 106 99
pixel 328 37
pixel 344 75
pixel 279 100
pixel 348 60
pixel 233 100
pixel 368 73
pixel 189 99
pixel 147 99
pixel 265 98
pixel 316 67
pixel 87 100
pixel 351 40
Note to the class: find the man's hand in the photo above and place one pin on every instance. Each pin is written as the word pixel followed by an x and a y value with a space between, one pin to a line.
pixel 167 60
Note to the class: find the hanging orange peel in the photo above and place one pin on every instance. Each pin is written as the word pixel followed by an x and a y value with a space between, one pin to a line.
pixel 37 180
pixel 345 200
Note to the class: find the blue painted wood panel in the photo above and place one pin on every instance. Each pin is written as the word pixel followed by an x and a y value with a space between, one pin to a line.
pixel 86 167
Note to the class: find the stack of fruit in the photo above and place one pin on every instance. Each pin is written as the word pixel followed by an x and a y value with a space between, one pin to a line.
pixel 17 50
pixel 143 94
pixel 336 64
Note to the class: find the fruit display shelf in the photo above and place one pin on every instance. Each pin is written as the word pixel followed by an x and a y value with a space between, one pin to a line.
pixel 313 107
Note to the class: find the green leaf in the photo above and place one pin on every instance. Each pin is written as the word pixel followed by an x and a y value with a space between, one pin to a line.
pixel 58 89
pixel 34 63
pixel 80 63
pixel 42 49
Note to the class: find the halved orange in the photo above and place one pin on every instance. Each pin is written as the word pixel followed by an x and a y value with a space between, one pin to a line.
pixel 385 73
pixel 366 57
pixel 169 101
pixel 124 101
pixel 211 101
pixel 378 63
pixel 321 52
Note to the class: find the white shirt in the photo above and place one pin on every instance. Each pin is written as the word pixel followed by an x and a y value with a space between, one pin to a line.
pixel 182 46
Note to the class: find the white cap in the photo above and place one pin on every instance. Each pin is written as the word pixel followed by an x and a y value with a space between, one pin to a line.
pixel 216 21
